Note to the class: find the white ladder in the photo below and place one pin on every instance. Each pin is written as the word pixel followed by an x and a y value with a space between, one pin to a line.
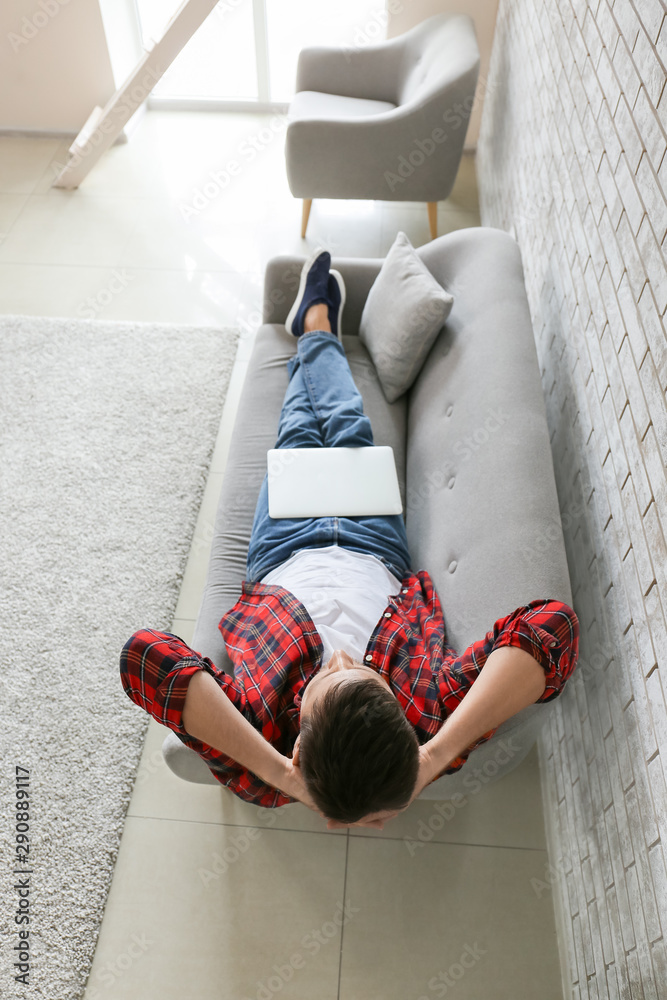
pixel 104 125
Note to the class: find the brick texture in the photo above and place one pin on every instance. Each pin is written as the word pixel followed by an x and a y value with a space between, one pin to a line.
pixel 572 161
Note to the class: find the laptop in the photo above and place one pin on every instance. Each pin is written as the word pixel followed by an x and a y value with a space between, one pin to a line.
pixel 332 482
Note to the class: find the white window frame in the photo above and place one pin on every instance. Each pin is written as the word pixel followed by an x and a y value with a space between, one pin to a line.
pixel 263 103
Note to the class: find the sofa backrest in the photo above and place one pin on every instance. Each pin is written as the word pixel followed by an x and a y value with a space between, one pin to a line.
pixel 482 508
pixel 438 52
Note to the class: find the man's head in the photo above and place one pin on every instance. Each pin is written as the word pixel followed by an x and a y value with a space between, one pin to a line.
pixel 358 753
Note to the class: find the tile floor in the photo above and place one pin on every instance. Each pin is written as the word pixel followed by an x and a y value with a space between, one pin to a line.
pixel 213 898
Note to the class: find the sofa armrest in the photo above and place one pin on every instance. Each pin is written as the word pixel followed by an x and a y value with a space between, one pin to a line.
pixel 369 71
pixel 281 283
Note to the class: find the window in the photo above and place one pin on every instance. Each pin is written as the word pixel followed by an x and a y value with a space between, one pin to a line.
pixel 294 24
pixel 247 50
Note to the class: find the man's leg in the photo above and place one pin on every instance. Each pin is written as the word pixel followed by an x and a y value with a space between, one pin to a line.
pixel 321 386
pixel 334 397
pixel 300 426
pixel 337 403
pixel 273 540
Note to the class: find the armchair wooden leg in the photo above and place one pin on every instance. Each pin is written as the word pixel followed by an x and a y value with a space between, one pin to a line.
pixel 433 218
pixel 305 215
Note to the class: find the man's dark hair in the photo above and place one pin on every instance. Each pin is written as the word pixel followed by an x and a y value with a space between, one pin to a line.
pixel 359 754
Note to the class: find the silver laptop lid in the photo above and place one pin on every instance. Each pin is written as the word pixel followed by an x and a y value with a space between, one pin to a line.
pixel 332 482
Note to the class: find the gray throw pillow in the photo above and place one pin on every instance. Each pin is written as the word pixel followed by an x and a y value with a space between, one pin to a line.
pixel 404 312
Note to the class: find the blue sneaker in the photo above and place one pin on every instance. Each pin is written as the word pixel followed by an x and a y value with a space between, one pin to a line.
pixel 313 288
pixel 336 302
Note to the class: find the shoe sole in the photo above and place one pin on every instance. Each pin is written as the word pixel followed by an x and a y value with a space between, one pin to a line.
pixel 291 316
pixel 341 286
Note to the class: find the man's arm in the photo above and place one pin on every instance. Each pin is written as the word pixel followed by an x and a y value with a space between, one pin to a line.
pixel 182 690
pixel 209 716
pixel 511 680
pixel 526 657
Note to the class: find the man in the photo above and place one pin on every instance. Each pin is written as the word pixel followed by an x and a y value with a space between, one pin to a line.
pixel 345 694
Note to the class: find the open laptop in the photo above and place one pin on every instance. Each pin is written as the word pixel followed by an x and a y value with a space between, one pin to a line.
pixel 332 482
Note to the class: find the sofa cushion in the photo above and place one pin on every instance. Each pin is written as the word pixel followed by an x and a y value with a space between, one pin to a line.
pixel 313 104
pixel 405 310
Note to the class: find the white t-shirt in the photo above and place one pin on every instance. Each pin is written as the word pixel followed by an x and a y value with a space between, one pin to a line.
pixel 344 592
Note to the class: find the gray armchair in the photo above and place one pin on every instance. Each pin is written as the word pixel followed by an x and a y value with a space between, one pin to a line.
pixel 385 121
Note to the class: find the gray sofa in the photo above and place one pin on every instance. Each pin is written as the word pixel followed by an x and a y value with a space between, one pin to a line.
pixel 473 456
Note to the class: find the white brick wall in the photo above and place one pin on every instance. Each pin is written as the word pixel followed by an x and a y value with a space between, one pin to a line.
pixel 571 159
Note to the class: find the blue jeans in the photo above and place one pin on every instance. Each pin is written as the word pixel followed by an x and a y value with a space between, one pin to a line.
pixel 322 409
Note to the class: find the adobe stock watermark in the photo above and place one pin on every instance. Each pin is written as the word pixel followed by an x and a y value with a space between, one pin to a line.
pixel 280 460
pixel 592 667
pixel 552 534
pixel 34 23
pixel 440 984
pixel 444 812
pixel 244 498
pixel 150 766
pixel 111 972
pixel 537 206
pixel 94 304
pixel 464 448
pixel 311 943
pixel 415 156
pixel 203 536
pixel 219 180
pixel 429 317
pixel 227 6
pixel 374 29
pixel 337 579
pixel 239 845
pixel 276 303
pixel 552 875
pixel 132 103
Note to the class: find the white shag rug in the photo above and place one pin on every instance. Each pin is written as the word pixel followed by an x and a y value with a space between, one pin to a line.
pixel 106 434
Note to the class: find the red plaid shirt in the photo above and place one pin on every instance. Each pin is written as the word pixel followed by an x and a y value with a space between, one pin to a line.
pixel 276 649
